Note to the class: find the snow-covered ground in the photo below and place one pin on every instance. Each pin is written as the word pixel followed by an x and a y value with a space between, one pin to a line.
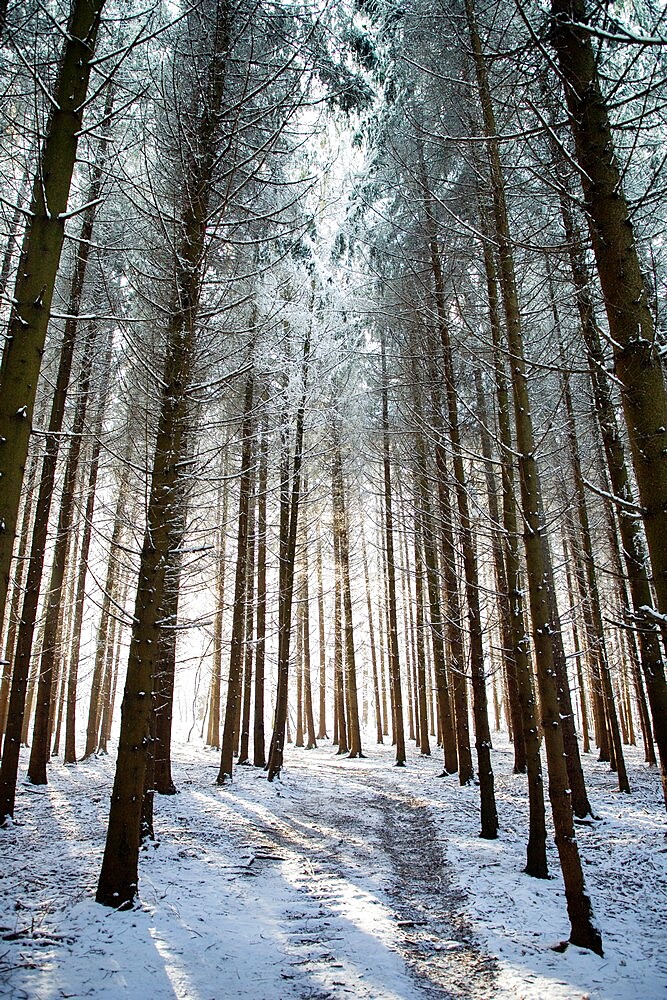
pixel 347 878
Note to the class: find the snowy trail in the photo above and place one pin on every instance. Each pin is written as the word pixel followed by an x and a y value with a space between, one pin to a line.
pixel 345 879
pixel 365 843
pixel 329 884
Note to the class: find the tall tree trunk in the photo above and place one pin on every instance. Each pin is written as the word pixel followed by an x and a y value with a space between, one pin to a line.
pixel 340 721
pixel 452 611
pixel 249 646
pixel 322 709
pixel 102 643
pixel 452 754
pixel 578 655
pixel 35 281
pixel 289 513
pixel 504 610
pixel 118 880
pixel 213 731
pixel 91 488
pixel 584 931
pixel 637 362
pixel 424 742
pixel 392 636
pixel 233 703
pixel 342 545
pixel 311 742
pixel 259 754
pixel 371 636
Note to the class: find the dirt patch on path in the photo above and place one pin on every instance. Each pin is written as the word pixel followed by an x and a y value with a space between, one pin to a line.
pixel 371 833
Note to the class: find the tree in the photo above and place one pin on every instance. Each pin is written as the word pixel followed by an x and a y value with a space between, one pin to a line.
pixel 37 270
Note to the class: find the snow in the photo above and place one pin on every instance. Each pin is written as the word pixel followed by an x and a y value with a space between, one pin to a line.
pixel 346 878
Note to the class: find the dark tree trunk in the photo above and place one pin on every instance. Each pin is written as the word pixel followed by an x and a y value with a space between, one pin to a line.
pixel 637 361
pixel 31 302
pixel 233 704
pixel 584 931
pixel 289 512
pixel 392 636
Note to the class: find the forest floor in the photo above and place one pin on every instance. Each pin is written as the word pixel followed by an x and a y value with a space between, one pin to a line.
pixel 345 879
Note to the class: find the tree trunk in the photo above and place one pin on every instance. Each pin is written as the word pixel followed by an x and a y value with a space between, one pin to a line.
pixel 289 512
pixel 31 302
pixel 426 532
pixel 259 754
pixel 424 742
pixel 102 643
pixel 342 548
pixel 371 636
pixel 637 362
pixel 584 931
pixel 392 636
pixel 322 711
pixel 118 880
pixel 233 704
pixel 504 611
pixel 70 717
pixel 249 646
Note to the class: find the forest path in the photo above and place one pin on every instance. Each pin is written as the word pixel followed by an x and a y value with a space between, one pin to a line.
pixel 329 884
pixel 367 842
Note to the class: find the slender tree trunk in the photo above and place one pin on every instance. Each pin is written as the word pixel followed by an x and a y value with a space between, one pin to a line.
pixel 371 636
pixel 101 647
pixel 424 742
pixel 449 742
pixel 340 721
pixel 289 512
pixel 259 754
pixel 584 931
pixel 233 703
pixel 118 880
pixel 249 646
pixel 452 612
pixel 505 614
pixel 583 700
pixel 213 731
pixel 111 669
pixel 341 540
pixel 322 709
pixel 311 742
pixel 75 651
pixel 392 636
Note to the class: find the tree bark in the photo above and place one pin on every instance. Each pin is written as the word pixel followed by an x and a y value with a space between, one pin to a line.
pixel 584 931
pixel 233 703
pixel 637 362
pixel 392 635
pixel 36 276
